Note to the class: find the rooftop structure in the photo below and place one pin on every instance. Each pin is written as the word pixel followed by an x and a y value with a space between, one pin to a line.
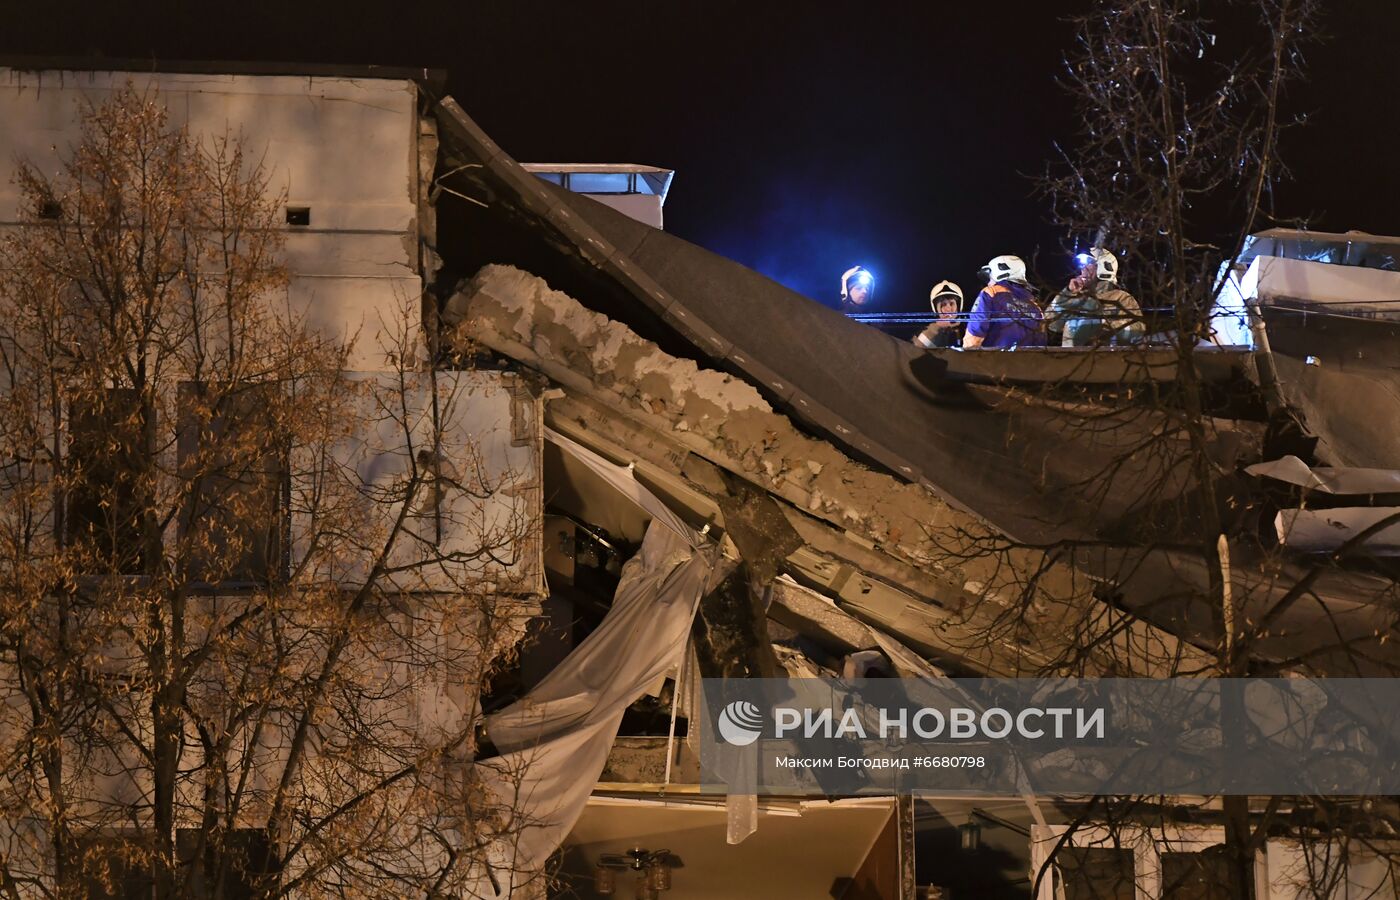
pixel 636 191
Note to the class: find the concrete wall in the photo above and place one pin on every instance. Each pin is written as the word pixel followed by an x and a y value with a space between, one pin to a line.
pixel 487 495
pixel 346 148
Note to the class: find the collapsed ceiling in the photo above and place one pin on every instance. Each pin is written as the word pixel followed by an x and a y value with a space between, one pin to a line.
pixel 801 401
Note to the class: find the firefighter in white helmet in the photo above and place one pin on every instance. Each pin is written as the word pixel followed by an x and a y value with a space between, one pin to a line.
pixel 1093 309
pixel 946 298
pixel 1005 315
pixel 857 289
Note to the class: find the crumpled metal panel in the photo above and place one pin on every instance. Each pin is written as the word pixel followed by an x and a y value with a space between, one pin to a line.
pixel 1328 480
pixel 1340 374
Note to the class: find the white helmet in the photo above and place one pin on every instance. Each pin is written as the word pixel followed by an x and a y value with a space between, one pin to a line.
pixel 945 289
pixel 1005 268
pixel 853 276
pixel 1106 264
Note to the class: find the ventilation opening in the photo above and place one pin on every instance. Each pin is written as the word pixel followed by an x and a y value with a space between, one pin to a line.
pixel 51 209
pixel 298 215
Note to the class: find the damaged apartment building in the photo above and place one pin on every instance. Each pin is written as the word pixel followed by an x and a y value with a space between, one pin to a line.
pixel 717 489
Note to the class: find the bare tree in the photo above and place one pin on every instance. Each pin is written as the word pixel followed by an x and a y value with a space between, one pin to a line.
pixel 1180 123
pixel 246 597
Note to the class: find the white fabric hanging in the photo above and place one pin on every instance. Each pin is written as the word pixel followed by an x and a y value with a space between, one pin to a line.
pixel 555 740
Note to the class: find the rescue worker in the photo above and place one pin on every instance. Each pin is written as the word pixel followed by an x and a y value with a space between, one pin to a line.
pixel 857 289
pixel 946 298
pixel 1005 315
pixel 1092 309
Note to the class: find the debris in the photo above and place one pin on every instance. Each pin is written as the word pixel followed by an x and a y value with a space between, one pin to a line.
pixel 1324 530
pixel 1345 481
pixel 720 416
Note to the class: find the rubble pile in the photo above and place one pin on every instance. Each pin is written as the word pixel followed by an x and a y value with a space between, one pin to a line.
pixel 511 311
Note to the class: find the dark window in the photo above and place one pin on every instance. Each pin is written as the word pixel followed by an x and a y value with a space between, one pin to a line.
pixel 1095 873
pixel 109 441
pixel 51 209
pixel 115 866
pixel 1196 876
pixel 235 463
pixel 298 215
pixel 227 864
pixel 551 177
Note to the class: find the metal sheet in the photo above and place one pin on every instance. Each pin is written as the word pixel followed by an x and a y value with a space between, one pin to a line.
pixel 1343 375
pixel 1325 530
pixel 1349 482
pixel 1271 280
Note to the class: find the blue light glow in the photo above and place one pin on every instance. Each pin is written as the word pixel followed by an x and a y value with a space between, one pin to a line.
pixel 864 278
pixel 1083 259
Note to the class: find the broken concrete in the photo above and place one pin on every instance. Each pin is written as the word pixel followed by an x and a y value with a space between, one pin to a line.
pixel 928 610
pixel 727 421
pixel 726 416
pixel 818 617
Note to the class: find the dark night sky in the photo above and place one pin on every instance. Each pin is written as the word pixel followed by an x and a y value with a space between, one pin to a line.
pixel 806 138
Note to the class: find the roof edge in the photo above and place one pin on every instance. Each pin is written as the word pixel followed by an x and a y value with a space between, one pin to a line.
pixel 435 79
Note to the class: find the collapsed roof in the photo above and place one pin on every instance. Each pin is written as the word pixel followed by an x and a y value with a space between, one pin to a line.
pixel 921 417
pixel 1035 466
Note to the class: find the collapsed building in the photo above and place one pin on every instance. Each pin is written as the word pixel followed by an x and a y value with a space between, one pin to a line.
pixel 730 480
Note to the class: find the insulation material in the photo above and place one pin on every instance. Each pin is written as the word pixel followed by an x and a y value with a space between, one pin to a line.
pixel 555 740
pixel 692 697
pixel 1346 482
pixel 1324 530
